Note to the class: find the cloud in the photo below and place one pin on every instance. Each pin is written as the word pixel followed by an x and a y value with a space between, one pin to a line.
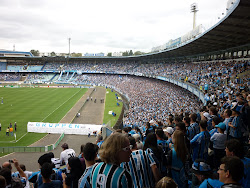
pixel 98 25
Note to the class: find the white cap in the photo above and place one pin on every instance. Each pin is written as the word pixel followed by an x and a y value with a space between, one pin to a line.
pixel 151 121
pixel 206 114
pixel 169 130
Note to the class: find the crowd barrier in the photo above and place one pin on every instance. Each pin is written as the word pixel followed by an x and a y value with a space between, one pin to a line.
pixel 31 148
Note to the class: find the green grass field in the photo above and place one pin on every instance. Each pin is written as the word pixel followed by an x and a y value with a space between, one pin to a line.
pixel 22 105
pixel 110 105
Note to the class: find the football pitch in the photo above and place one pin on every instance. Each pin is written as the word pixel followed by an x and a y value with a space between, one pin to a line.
pixel 22 105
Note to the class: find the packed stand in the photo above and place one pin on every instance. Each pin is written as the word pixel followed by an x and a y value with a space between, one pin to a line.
pixel 148 99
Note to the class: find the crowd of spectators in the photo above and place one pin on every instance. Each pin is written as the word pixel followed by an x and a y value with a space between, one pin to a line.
pixel 183 143
pixel 148 98
pixel 209 74
pixel 185 152
pixel 10 76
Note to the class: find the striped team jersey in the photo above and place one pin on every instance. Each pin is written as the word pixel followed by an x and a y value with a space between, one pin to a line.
pixel 193 130
pixel 213 131
pixel 139 167
pixel 84 181
pixel 110 176
pixel 199 145
pixel 237 123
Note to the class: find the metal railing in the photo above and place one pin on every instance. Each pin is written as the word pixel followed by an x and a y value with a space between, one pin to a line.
pixel 32 149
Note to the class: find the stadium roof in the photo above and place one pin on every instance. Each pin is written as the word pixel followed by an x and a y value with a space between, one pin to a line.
pixel 231 33
pixel 6 52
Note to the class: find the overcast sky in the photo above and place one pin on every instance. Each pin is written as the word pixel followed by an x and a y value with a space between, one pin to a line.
pixel 100 25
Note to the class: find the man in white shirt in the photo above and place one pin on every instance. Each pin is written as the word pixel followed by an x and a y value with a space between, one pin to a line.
pixel 66 154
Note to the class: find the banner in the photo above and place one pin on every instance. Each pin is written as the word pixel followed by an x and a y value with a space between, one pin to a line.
pixel 82 129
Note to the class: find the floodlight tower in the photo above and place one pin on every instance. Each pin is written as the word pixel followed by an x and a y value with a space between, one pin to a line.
pixel 69 46
pixel 194 10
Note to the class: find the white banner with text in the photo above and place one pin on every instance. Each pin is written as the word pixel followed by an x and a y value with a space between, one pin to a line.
pixel 82 129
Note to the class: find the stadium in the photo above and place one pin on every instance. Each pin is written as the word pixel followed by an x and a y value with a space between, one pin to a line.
pixel 62 99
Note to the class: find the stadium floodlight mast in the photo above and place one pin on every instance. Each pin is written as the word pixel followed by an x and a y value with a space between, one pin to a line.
pixel 69 46
pixel 194 10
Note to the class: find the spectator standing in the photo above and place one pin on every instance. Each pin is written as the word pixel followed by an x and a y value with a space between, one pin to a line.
pixel 150 146
pixel 203 172
pixel 199 144
pixel 76 170
pixel 194 128
pixel 90 154
pixel 218 140
pixel 177 158
pixel 46 172
pixel 11 131
pixel 8 131
pixel 142 167
pixel 2 181
pixel 235 124
pixel 166 182
pixel 235 148
pixel 114 151
pixel 160 139
pixel 66 154
pixel 231 171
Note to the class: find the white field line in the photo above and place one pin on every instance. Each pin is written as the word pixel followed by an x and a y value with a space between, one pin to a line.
pixel 42 120
pixel 60 106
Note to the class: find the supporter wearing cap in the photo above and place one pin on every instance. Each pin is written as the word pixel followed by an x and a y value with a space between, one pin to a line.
pixel 218 140
pixel 36 177
pixel 235 126
pixel 169 131
pixel 203 172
